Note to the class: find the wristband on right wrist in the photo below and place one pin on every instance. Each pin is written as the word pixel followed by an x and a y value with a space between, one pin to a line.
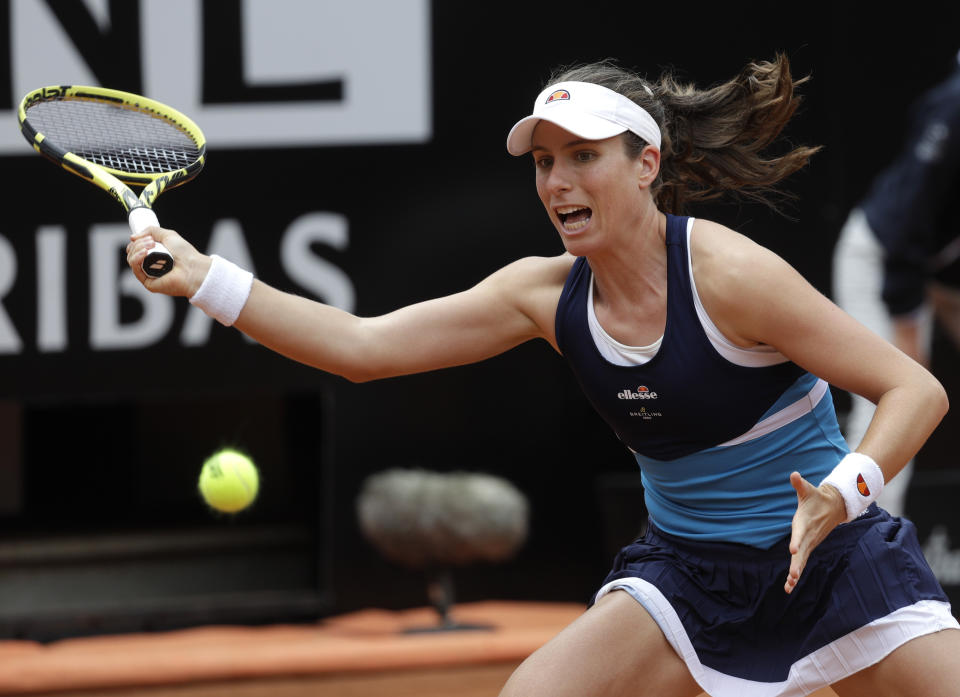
pixel 224 291
pixel 859 480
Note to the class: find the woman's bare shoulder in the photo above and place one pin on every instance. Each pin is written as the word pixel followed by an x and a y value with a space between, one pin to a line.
pixel 543 268
pixel 733 274
pixel 533 285
pixel 532 274
pixel 722 255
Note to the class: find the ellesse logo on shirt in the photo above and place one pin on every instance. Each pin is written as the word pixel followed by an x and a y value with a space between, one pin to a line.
pixel 643 392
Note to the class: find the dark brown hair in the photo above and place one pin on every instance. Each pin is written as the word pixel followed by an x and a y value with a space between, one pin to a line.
pixel 714 140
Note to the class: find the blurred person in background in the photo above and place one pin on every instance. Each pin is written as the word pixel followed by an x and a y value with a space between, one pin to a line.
pixel 897 261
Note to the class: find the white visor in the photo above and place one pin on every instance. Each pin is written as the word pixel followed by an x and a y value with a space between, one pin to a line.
pixel 587 110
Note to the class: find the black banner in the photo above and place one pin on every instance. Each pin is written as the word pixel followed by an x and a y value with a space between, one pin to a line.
pixel 356 156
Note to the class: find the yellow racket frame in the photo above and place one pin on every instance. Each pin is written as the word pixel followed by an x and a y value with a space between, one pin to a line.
pixel 113 181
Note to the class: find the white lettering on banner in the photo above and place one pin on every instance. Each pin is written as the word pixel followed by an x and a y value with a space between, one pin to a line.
pixel 327 282
pixel 375 54
pixel 10 341
pixel 51 288
pixel 112 283
pixel 108 284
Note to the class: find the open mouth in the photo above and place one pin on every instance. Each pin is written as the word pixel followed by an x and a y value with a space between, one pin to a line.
pixel 573 218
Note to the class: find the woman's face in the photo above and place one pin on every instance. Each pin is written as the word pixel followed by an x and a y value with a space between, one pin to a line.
pixel 591 188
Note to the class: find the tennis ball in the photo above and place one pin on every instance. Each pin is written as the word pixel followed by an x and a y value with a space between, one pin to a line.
pixel 229 481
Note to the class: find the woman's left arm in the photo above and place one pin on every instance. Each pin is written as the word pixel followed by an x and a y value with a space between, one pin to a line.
pixel 755 297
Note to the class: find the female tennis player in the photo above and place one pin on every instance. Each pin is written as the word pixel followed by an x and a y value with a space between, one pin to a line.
pixel 767 569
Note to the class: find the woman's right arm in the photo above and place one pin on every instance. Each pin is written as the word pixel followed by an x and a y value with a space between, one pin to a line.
pixel 513 305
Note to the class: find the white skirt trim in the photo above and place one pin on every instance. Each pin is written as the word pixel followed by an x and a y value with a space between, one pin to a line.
pixel 825 666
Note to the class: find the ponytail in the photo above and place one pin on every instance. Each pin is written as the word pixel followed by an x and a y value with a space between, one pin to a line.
pixel 715 140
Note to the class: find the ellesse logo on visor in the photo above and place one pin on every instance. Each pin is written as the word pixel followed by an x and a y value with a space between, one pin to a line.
pixel 559 94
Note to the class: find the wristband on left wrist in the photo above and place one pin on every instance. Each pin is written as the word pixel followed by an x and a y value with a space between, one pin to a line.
pixel 859 480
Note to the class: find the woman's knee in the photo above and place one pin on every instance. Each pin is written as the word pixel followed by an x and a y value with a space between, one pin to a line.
pixel 615 648
pixel 924 666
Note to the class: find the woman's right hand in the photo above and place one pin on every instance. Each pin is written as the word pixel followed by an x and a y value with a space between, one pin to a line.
pixel 189 269
pixel 819 511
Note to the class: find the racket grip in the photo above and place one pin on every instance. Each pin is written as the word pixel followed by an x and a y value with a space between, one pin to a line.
pixel 159 260
pixel 141 218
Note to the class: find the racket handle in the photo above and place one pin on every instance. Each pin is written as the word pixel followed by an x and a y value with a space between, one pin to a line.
pixel 159 260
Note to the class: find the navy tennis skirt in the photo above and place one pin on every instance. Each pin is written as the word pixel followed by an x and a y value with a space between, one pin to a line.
pixel 866 589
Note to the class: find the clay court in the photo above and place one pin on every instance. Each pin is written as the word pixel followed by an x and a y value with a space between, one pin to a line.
pixel 361 654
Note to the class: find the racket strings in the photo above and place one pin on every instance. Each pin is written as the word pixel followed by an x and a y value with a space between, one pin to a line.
pixel 122 139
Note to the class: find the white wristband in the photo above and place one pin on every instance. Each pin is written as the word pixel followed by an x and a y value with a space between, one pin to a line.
pixel 859 480
pixel 224 291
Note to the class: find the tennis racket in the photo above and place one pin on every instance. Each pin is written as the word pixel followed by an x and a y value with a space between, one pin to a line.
pixel 116 140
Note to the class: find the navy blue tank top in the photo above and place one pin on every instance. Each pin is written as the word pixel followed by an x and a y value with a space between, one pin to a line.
pixel 687 397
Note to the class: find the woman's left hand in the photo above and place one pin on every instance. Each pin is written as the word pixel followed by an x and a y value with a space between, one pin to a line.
pixel 819 510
